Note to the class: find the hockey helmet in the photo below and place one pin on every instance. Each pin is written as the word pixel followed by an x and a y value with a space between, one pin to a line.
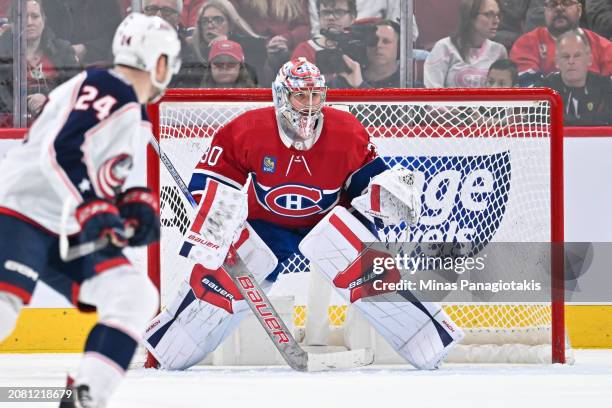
pixel 299 122
pixel 139 42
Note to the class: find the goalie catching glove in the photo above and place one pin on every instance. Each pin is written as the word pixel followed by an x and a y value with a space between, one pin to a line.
pixel 391 198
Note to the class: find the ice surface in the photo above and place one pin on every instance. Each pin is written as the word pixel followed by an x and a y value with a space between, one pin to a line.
pixel 588 383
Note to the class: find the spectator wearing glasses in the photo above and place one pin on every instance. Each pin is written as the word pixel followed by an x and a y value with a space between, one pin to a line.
pixel 587 96
pixel 534 52
pixel 517 18
pixel 226 68
pixel 190 73
pixel 89 25
pixel 50 61
pixel 219 20
pixel 463 60
pixel 370 10
pixel 535 15
pixel 334 16
pixel 169 10
pixel 379 9
pixel 599 17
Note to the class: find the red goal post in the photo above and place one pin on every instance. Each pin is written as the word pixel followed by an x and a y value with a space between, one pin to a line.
pixel 394 117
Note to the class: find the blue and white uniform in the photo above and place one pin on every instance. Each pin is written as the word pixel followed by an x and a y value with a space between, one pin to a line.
pixel 81 147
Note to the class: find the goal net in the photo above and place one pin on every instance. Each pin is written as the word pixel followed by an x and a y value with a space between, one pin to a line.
pixel 506 145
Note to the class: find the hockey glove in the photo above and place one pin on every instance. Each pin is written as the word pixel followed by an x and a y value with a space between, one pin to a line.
pixel 99 218
pixel 139 207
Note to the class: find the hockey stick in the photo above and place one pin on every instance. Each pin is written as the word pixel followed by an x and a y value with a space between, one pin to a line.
pixel 293 354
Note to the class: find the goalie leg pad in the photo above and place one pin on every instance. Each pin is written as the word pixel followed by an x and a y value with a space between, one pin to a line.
pixel 207 308
pixel 185 333
pixel 217 287
pixel 420 332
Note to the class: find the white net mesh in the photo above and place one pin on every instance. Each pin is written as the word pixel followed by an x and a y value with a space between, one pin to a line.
pixel 483 168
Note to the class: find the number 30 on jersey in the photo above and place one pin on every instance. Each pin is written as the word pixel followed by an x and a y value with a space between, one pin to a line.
pixel 212 156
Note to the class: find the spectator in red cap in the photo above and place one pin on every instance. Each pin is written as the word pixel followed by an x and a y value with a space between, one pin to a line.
pixel 226 67
pixel 219 20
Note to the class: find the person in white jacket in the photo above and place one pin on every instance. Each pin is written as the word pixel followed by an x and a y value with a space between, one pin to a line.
pixel 463 60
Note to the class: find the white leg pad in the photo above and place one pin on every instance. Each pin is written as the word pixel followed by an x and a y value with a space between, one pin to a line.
pixel 420 332
pixel 182 336
pixel 189 328
pixel 10 306
pixel 124 297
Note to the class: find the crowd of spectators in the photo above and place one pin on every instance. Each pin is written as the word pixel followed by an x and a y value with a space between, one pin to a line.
pixel 49 62
pixel 562 44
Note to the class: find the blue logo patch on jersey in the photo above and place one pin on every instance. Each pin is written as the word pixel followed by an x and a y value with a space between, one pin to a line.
pixel 269 164
pixel 463 199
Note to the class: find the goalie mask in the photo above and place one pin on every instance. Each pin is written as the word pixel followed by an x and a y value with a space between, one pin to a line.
pixel 139 42
pixel 299 95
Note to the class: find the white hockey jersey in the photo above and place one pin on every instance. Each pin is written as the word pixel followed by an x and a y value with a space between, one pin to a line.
pixel 82 145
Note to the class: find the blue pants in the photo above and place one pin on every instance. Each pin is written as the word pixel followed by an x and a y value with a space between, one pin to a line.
pixel 29 253
pixel 282 241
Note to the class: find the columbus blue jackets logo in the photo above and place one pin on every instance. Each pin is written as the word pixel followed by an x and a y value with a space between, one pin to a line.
pixel 464 197
pixel 295 200
pixel 112 174
pixel 269 164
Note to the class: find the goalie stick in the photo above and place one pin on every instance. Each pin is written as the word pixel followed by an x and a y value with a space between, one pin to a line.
pixel 293 354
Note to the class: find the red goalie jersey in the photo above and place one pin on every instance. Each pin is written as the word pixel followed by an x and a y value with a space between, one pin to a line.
pixel 290 188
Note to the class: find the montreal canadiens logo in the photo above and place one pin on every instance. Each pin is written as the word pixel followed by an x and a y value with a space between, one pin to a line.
pixel 295 200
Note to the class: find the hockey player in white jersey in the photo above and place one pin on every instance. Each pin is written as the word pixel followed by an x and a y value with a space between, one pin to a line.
pixel 81 150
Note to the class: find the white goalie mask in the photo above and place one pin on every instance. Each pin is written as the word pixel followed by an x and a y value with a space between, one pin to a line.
pixel 139 42
pixel 299 95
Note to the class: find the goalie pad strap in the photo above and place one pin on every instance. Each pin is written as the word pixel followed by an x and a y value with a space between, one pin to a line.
pixel 375 197
pixel 207 202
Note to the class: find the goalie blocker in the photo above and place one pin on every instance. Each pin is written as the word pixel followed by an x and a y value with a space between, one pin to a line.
pixel 421 332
